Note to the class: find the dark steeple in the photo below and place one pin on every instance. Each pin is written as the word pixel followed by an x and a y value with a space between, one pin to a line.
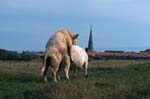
pixel 90 43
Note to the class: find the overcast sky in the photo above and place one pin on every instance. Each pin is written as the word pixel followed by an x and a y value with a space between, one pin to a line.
pixel 118 24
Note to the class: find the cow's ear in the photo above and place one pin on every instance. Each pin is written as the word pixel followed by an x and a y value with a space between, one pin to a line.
pixel 76 36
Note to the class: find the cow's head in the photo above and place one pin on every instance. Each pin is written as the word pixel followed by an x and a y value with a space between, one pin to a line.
pixel 72 35
pixel 74 38
pixel 75 42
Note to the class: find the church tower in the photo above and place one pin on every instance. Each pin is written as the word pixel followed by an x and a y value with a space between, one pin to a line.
pixel 90 43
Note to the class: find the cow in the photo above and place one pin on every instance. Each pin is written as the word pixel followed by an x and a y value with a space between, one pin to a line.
pixel 79 58
pixel 58 50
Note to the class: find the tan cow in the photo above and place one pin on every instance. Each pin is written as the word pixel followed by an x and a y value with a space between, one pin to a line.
pixel 58 49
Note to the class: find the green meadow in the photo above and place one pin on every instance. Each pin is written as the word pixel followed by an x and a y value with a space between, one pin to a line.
pixel 107 79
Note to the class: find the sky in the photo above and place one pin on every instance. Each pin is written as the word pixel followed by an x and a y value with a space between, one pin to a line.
pixel 117 24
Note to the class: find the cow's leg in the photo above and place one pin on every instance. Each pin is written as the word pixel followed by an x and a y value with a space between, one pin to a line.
pixel 54 71
pixel 44 71
pixel 55 63
pixel 67 66
pixel 54 75
pixel 85 68
pixel 58 77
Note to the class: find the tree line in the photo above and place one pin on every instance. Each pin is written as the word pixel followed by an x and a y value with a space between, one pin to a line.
pixel 14 55
pixel 31 55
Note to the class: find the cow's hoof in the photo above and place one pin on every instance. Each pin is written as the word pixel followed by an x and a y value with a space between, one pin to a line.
pixel 55 81
pixel 67 79
pixel 58 77
pixel 45 79
pixel 86 76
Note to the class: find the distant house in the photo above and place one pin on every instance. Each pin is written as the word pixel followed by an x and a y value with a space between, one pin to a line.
pixel 112 51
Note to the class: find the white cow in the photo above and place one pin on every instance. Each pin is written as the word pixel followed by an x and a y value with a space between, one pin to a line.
pixel 79 57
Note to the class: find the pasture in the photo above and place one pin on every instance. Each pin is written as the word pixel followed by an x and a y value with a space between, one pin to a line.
pixel 107 79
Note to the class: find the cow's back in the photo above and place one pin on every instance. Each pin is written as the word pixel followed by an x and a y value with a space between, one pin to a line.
pixel 58 40
pixel 79 55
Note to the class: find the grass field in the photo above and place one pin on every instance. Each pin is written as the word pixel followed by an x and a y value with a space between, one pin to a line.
pixel 107 79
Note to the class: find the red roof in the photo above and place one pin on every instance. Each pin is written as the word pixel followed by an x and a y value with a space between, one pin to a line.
pixel 125 54
pixel 40 54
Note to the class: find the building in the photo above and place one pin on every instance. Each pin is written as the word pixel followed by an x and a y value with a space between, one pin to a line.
pixel 90 42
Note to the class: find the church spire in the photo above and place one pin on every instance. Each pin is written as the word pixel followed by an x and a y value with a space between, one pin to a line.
pixel 90 43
